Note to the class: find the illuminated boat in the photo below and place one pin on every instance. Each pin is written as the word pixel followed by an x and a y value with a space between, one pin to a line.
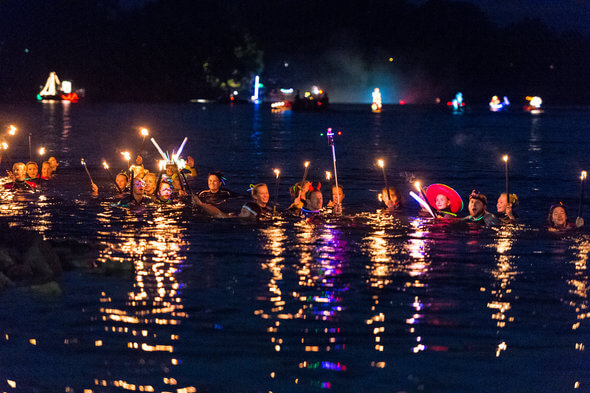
pixel 534 105
pixel 496 105
pixel 377 104
pixel 281 99
pixel 457 103
pixel 54 91
pixel 314 100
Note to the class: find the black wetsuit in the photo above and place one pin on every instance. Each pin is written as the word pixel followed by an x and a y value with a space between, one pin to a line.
pixel 261 213
pixel 217 199
pixel 25 185
pixel 129 200
pixel 505 219
pixel 35 180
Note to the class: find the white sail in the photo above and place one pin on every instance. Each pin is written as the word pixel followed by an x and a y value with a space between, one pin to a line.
pixel 51 86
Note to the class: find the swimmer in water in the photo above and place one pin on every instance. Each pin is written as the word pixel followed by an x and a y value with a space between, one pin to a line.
pixel 164 194
pixel 298 192
pixel 150 184
pixel 257 209
pixel 122 181
pixel 445 200
pixel 313 202
pixel 337 195
pixel 19 175
pixel 391 200
pixel 53 164
pixel 215 195
pixel 137 197
pixel 33 172
pixel 557 219
pixel 505 210
pixel 477 210
pixel 45 171
pixel 138 169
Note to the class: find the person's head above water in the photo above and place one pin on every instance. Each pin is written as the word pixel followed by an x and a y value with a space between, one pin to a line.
pixel 442 202
pixel 337 194
pixel 45 170
pixel 393 199
pixel 53 164
pixel 444 198
pixel 165 191
pixel 557 217
pixel 138 187
pixel 121 180
pixel 214 181
pixel 477 204
pixel 19 170
pixel 32 170
pixel 150 183
pixel 260 194
pixel 299 190
pixel 314 200
pixel 501 204
pixel 170 169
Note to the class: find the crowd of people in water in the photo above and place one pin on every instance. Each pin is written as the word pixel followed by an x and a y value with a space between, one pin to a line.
pixel 138 186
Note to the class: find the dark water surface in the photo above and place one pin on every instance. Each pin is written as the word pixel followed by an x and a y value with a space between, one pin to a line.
pixel 362 303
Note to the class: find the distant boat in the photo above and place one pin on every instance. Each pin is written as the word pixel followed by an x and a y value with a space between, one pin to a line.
pixel 290 99
pixel 54 90
pixel 496 105
pixel 457 104
pixel 377 104
pixel 314 100
pixel 534 105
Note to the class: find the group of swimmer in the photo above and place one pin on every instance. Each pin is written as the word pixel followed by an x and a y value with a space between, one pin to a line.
pixel 138 186
pixel 27 177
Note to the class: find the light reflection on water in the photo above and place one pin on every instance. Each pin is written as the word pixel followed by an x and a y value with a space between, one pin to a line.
pixel 370 302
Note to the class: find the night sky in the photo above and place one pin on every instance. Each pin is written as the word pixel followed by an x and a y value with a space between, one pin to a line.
pixel 158 50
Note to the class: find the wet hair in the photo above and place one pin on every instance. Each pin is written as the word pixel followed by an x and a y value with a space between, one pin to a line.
pixel 218 175
pixel 296 189
pixel 513 199
pixel 475 194
pixel 254 188
pixel 550 215
pixel 313 189
pixel 123 174
pixel 393 192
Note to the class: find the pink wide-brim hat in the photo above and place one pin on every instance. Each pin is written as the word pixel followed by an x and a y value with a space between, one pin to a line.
pixel 435 189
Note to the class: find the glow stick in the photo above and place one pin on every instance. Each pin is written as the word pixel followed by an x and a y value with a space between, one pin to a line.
pixel 164 156
pixel 179 152
pixel 422 202
pixel 418 186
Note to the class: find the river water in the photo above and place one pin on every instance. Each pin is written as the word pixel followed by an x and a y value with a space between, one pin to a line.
pixel 363 303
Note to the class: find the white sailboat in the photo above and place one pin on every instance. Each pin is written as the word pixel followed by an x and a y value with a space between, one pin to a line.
pixel 54 90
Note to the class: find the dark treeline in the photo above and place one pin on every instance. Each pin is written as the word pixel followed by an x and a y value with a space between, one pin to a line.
pixel 181 49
